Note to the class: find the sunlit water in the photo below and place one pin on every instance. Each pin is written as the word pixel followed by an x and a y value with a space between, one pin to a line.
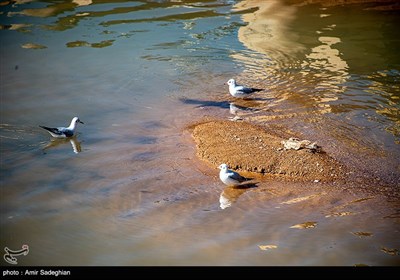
pixel 129 190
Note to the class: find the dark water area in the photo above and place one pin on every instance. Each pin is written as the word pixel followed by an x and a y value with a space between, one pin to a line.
pixel 128 189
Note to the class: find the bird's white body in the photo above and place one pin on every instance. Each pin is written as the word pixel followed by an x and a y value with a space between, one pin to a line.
pixel 63 132
pixel 240 91
pixel 229 177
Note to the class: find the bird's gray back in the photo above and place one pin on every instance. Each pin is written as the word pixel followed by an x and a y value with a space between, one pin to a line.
pixel 235 176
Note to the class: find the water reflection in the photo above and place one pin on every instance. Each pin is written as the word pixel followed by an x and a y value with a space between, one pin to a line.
pixel 235 109
pixel 329 72
pixel 70 14
pixel 314 56
pixel 76 145
pixel 82 2
pixel 240 108
pixel 327 59
pixel 268 30
pixel 231 194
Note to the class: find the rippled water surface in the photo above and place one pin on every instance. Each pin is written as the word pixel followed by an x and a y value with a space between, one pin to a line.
pixel 128 189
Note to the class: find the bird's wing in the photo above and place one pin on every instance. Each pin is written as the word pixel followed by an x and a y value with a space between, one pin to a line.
pixel 236 176
pixel 243 89
pixel 59 131
pixel 247 90
pixel 52 130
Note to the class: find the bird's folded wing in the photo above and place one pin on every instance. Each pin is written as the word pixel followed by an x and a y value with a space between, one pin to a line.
pixel 237 176
pixel 52 129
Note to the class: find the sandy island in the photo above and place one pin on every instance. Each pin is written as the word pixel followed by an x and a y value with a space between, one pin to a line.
pixel 252 148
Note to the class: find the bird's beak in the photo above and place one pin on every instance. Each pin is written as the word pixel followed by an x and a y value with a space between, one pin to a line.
pixel 81 122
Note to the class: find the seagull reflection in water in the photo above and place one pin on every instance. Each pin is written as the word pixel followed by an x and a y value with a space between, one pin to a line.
pixel 231 194
pixel 55 142
pixel 235 109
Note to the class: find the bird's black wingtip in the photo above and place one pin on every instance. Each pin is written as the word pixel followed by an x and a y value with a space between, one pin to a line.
pixel 54 130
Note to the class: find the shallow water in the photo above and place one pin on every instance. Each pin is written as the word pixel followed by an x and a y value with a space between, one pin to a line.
pixel 129 190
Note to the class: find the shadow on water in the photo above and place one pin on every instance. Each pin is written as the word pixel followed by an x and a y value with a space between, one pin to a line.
pixel 245 105
pixel 206 103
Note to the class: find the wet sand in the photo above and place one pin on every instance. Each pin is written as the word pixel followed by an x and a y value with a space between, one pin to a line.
pixel 255 149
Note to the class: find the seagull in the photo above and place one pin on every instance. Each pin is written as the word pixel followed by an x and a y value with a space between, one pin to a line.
pixel 229 177
pixel 240 91
pixel 63 132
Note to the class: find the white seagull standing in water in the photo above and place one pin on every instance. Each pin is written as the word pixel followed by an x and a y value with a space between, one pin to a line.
pixel 240 91
pixel 63 132
pixel 229 177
